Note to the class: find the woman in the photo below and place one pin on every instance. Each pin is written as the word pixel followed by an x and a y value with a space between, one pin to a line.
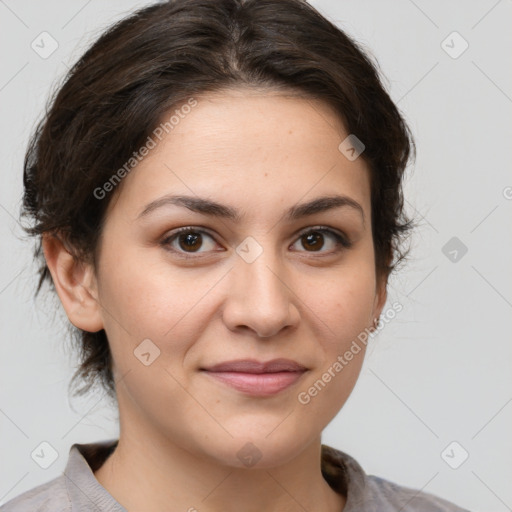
pixel 217 192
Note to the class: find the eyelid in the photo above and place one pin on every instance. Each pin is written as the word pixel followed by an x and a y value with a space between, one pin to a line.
pixel 340 237
pixel 168 238
pixel 343 238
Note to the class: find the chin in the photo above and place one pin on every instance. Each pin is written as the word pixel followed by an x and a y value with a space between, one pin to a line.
pixel 257 452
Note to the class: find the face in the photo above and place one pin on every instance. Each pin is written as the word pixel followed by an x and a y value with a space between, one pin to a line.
pixel 258 278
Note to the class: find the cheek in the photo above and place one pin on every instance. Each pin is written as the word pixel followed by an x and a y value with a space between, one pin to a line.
pixel 345 303
pixel 142 300
pixel 145 291
pixel 152 298
pixel 344 310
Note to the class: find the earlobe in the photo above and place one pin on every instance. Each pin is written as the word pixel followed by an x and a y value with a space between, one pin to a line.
pixel 381 296
pixel 75 284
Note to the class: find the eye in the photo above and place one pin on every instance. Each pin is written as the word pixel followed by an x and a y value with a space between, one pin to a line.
pixel 313 238
pixel 189 240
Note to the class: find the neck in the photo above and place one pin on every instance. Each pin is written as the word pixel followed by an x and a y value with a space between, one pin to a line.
pixel 150 473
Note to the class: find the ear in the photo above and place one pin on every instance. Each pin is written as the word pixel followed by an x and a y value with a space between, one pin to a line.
pixel 75 284
pixel 381 296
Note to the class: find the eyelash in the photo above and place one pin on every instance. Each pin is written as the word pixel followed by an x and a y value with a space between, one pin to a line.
pixel 343 242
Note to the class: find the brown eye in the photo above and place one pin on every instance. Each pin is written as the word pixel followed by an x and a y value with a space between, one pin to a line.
pixel 313 240
pixel 188 240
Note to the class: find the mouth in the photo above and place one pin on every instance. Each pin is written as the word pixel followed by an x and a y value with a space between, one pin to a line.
pixel 257 378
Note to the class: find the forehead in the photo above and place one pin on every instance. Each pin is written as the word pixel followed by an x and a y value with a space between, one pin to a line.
pixel 272 148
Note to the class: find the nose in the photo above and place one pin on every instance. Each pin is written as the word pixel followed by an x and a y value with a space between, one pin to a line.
pixel 260 296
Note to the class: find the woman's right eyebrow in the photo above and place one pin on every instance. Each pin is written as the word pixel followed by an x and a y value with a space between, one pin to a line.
pixel 214 209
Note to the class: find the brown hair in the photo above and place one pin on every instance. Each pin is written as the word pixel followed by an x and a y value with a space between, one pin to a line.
pixel 156 59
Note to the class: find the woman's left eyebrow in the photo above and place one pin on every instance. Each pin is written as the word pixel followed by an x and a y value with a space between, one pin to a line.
pixel 215 209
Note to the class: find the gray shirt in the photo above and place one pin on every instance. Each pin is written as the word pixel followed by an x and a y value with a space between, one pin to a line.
pixel 77 489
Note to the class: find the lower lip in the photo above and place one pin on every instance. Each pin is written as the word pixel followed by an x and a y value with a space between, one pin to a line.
pixel 259 384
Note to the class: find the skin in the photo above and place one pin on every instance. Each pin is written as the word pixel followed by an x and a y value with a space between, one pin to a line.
pixel 261 153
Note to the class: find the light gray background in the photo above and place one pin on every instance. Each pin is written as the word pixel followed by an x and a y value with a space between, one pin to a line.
pixel 439 372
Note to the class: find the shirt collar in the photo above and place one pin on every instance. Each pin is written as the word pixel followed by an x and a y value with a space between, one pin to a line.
pixel 340 470
pixel 85 492
pixel 346 476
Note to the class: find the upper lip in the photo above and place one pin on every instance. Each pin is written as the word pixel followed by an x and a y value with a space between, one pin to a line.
pixel 254 366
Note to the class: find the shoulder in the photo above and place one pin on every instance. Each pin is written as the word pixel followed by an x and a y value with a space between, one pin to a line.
pixel 397 497
pixel 75 489
pixel 51 496
pixel 371 493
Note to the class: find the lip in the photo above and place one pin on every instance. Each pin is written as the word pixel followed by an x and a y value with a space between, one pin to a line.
pixel 254 366
pixel 257 378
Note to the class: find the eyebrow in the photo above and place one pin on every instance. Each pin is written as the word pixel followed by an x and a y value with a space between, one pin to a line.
pixel 214 209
